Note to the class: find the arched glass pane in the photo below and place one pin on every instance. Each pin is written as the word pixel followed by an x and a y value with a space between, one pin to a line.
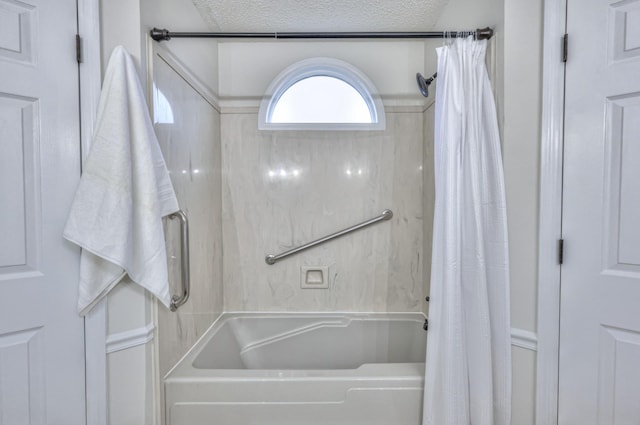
pixel 321 99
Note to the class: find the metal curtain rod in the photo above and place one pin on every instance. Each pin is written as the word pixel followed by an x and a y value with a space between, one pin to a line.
pixel 272 259
pixel 165 35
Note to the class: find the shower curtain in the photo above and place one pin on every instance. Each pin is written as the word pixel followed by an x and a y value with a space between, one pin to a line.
pixel 468 364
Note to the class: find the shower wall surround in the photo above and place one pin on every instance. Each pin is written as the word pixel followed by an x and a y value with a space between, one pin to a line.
pixel 191 147
pixel 428 196
pixel 285 188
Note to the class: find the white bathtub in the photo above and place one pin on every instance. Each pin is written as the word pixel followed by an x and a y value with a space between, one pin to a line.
pixel 302 369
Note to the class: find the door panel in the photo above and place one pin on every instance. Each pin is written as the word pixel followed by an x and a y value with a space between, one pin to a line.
pixel 17 181
pixel 17 31
pixel 620 376
pixel 599 380
pixel 22 386
pixel 41 335
pixel 621 194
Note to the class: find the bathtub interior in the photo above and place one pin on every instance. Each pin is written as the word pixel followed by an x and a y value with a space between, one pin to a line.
pixel 312 342
pixel 302 368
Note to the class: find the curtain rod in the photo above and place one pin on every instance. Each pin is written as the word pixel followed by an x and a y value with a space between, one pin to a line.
pixel 165 35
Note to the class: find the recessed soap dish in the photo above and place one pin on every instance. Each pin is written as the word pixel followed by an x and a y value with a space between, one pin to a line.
pixel 314 277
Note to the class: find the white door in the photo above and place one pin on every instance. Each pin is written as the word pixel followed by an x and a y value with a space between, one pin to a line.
pixel 600 285
pixel 41 335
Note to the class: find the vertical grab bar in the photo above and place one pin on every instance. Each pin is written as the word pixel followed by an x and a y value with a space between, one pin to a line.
pixel 178 300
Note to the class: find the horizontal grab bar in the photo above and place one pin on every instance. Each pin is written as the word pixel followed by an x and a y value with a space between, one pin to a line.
pixel 272 259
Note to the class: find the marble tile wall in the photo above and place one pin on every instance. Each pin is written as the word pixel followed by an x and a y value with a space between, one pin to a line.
pixel 283 189
pixel 188 129
pixel 428 198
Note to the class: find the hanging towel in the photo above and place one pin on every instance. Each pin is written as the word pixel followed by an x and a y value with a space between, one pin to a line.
pixel 124 191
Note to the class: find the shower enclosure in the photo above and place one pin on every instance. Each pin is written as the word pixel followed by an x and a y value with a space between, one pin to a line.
pixel 254 193
pixel 249 193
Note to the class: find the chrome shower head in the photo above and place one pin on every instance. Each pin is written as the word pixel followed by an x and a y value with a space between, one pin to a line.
pixel 423 83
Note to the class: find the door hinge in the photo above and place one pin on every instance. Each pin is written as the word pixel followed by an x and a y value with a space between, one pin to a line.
pixel 78 48
pixel 560 251
pixel 565 47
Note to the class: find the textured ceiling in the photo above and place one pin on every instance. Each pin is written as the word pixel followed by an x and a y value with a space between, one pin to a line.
pixel 320 15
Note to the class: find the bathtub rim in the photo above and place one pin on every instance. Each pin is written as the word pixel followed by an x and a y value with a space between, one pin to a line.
pixel 184 370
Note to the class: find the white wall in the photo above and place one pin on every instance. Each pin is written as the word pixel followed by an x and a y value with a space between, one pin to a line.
pixel 522 102
pixel 522 88
pixel 199 55
pixel 247 68
pixel 132 369
pixel 127 305
pixel 127 23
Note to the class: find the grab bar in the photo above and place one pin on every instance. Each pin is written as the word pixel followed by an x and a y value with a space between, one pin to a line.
pixel 272 259
pixel 178 300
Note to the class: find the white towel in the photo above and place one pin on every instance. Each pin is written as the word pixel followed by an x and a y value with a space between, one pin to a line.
pixel 124 191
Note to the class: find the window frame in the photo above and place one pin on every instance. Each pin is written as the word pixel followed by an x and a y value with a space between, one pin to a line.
pixel 327 67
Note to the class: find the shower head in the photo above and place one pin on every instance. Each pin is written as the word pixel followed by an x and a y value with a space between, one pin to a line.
pixel 423 83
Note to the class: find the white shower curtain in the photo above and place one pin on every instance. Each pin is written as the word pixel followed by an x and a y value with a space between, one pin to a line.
pixel 468 364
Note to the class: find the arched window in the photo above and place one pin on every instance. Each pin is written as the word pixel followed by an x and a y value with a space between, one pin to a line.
pixel 321 94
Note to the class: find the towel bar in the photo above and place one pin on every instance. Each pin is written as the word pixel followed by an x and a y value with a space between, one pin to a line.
pixel 178 300
pixel 272 259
